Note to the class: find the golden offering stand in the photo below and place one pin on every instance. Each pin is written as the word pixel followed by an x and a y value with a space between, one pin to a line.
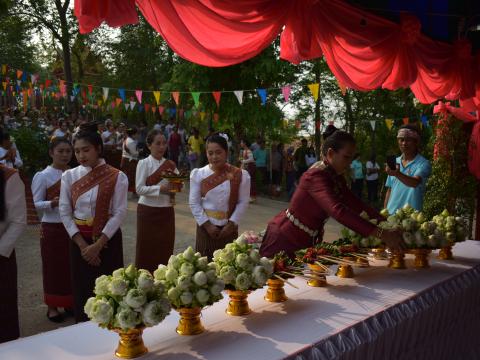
pixel 397 260
pixel 421 258
pixel 131 343
pixel 238 304
pixel 445 253
pixel 275 291
pixel 190 323
pixel 318 280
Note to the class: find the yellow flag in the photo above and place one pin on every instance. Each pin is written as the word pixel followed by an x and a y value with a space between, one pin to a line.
pixel 389 123
pixel 314 90
pixel 99 102
pixel 4 69
pixel 202 115
pixel 157 96
pixel 4 85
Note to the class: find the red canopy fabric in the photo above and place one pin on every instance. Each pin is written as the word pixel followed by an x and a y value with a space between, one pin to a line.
pixel 363 51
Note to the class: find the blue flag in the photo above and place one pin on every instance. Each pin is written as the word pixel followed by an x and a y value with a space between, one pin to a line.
pixel 263 95
pixel 121 92
pixel 425 120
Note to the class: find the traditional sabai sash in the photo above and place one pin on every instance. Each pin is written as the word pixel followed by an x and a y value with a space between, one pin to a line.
pixel 231 173
pixel 105 176
pixel 7 172
pixel 54 190
pixel 157 175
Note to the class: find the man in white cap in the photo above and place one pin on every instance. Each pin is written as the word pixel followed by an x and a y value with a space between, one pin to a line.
pixel 406 184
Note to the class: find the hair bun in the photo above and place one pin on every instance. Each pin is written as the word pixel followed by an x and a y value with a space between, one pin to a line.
pixel 329 131
pixel 89 126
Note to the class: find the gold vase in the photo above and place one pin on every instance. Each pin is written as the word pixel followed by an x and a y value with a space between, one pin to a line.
pixel 421 258
pixel 238 304
pixel 345 271
pixel 379 254
pixel 361 262
pixel 397 260
pixel 190 323
pixel 131 343
pixel 275 291
pixel 445 253
pixel 320 280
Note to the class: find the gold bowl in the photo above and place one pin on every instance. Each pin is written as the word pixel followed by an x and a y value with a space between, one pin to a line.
pixel 445 253
pixel 275 291
pixel 320 280
pixel 397 260
pixel 131 343
pixel 421 258
pixel 190 323
pixel 238 304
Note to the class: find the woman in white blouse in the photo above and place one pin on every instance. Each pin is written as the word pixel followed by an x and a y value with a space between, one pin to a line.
pixel 130 157
pixel 219 196
pixel 57 289
pixel 155 214
pixel 13 219
pixel 93 206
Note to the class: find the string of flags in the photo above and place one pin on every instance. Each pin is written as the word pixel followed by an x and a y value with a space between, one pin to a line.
pixel 88 93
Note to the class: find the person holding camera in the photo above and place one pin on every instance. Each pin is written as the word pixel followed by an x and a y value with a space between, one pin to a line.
pixel 407 177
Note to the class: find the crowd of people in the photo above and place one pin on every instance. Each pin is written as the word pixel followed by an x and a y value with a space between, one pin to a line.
pixel 83 198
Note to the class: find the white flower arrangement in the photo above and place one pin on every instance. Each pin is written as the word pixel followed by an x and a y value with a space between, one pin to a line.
pixel 191 281
pixel 127 299
pixel 240 266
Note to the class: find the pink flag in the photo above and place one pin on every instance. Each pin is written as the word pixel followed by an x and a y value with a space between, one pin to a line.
pixel 217 95
pixel 286 92
pixel 138 93
pixel 161 109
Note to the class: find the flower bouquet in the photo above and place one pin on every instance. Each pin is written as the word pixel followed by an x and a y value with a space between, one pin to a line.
pixel 454 230
pixel 242 269
pixel 192 283
pixel 126 302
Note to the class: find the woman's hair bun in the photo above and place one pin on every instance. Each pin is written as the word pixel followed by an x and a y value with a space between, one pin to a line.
pixel 91 126
pixel 329 131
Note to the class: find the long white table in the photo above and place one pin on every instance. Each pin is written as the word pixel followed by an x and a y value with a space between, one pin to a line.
pixel 379 314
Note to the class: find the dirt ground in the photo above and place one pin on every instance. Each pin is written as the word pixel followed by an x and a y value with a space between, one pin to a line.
pixel 32 310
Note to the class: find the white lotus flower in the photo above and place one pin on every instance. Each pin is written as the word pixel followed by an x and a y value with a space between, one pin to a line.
pixel 155 311
pixel 101 311
pixel 202 296
pixel 127 318
pixel 200 278
pixel 101 285
pixel 159 273
pixel 135 298
pixel 118 287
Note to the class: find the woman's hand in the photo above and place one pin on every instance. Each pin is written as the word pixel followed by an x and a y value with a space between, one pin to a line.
pixel 168 188
pixel 228 230
pixel 91 253
pixel 54 202
pixel 211 230
pixel 394 240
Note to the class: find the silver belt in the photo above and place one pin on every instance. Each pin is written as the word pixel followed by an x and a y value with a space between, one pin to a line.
pixel 298 223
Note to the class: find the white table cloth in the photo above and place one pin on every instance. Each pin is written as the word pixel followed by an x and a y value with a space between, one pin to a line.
pixel 380 314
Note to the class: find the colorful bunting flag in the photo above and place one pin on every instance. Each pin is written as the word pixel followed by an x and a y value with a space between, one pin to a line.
pixel 19 74
pixel 161 109
pixel 216 96
pixel 90 89
pixel 138 94
pixel 196 98
pixel 314 88
pixel 48 82
pixel 4 69
pixel 239 95
pixel 286 92
pixel 121 92
pixel 372 124
pixel 105 91
pixel 154 108
pixel 4 83
pixel 119 101
pixel 176 97
pixel 263 95
pixel 132 104
pixel 424 120
pixel 389 123
pixel 147 107
pixel 127 106
pixel 156 94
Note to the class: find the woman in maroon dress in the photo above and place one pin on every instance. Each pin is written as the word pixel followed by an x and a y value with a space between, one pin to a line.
pixel 323 193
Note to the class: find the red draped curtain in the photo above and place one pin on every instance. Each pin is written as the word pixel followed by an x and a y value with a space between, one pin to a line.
pixel 363 51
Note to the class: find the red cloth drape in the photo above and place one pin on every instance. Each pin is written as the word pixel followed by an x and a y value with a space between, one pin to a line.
pixel 364 51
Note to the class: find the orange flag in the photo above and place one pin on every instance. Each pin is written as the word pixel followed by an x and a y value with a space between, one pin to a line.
pixel 19 74
pixel 176 96
pixel 216 96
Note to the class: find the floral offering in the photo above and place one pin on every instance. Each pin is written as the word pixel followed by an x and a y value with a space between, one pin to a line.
pixel 127 299
pixel 240 266
pixel 190 280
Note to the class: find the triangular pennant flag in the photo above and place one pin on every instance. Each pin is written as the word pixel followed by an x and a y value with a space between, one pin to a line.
pixel 19 74
pixel 216 96
pixel 286 92
pixel 154 108
pixel 156 94
pixel 19 82
pixel 48 82
pixel 215 118
pixel 424 120
pixel 72 98
pixel 161 109
pixel 138 94
pixel 263 95
pixel 90 89
pixel 196 97
pixel 314 90
pixel 202 115
pixel 4 69
pixel 342 87
pixel 405 120
pixel 121 92
pixel 389 123
pixel 118 101
pixel 239 95
pixel 132 104
pixel 372 124
pixel 24 76
pixel 4 83
pixel 127 106
pixel 105 91
pixel 176 96
pixel 147 107
pixel 34 78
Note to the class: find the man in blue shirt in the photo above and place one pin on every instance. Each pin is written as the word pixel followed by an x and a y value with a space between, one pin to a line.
pixel 406 184
pixel 260 156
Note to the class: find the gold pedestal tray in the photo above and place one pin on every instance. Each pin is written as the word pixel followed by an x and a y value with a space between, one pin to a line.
pixel 346 271
pixel 131 343
pixel 421 258
pixel 379 254
pixel 397 261
pixel 321 280
pixel 275 291
pixel 361 262
pixel 445 253
pixel 238 304
pixel 190 323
